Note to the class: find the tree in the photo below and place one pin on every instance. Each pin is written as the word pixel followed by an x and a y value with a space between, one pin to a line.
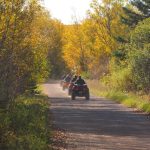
pixel 102 29
pixel 139 10
pixel 23 47
pixel 74 48
pixel 55 54
pixel 139 56
pixel 90 43
pixel 133 74
pixel 14 28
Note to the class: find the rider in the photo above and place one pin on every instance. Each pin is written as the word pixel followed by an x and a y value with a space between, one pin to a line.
pixel 74 79
pixel 80 81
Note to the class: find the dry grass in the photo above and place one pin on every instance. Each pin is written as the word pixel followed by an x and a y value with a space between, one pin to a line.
pixel 141 102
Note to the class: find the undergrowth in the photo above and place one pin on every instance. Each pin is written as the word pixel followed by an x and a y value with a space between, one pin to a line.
pixel 24 126
pixel 129 99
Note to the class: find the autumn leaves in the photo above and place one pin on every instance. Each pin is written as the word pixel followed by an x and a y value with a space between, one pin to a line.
pixel 88 44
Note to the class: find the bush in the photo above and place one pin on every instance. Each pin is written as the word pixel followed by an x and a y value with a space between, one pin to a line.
pixel 133 73
pixel 119 79
pixel 24 125
pixel 139 56
pixel 126 98
pixel 140 36
pixel 140 67
pixel 85 75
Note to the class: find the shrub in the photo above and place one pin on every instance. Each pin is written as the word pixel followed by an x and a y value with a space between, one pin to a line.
pixel 140 68
pixel 119 79
pixel 139 56
pixel 134 72
pixel 24 126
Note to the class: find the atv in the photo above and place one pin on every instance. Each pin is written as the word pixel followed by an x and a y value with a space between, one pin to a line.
pixel 80 91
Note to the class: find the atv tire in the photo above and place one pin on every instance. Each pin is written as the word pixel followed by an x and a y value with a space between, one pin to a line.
pixel 87 97
pixel 73 96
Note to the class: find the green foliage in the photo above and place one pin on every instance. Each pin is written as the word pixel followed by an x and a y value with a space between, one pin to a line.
pixel 85 75
pixel 130 100
pixel 24 125
pixel 139 56
pixel 132 73
pixel 140 36
pixel 139 11
pixel 140 64
pixel 119 79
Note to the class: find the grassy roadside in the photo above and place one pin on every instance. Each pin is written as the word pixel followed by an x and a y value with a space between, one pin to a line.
pixel 141 103
pixel 25 125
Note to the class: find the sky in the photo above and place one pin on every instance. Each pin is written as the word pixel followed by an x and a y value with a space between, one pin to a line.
pixel 64 10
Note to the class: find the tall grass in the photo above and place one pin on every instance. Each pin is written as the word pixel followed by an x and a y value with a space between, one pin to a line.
pixel 25 125
pixel 129 99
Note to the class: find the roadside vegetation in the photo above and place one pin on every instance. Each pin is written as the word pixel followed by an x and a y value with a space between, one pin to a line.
pixel 25 124
pixel 129 99
pixel 29 37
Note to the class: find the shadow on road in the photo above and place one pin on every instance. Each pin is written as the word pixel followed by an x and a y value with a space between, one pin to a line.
pixel 96 124
pixel 99 117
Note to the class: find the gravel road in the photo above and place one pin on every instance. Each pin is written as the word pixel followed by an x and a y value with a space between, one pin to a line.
pixel 97 124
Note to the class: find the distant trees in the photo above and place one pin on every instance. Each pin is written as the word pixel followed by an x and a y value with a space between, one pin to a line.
pixel 55 54
pixel 113 44
pixel 74 48
pixel 90 43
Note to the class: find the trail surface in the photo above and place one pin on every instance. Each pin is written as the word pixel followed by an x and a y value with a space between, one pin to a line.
pixel 97 124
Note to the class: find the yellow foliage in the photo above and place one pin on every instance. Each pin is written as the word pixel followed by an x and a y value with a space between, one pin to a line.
pixel 91 43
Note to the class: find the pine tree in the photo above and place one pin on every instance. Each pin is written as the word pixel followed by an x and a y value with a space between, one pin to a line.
pixel 140 11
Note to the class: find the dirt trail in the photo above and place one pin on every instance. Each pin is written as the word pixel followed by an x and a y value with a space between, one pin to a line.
pixel 97 124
